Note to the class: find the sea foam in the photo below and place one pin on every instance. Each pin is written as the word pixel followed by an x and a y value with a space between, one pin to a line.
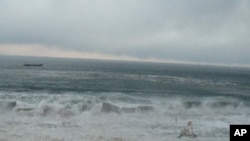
pixel 116 117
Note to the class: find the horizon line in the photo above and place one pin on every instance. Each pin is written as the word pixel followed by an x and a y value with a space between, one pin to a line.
pixel 147 60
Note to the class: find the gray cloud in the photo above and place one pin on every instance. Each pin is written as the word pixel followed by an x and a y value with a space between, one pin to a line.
pixel 189 30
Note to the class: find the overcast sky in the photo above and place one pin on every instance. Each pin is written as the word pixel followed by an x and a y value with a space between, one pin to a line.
pixel 210 31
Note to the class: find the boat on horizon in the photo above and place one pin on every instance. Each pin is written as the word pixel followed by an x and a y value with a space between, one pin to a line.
pixel 36 65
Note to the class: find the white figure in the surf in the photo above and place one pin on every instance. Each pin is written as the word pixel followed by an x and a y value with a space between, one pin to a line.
pixel 188 130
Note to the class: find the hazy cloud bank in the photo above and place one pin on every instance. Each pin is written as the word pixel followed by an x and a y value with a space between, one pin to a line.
pixel 187 30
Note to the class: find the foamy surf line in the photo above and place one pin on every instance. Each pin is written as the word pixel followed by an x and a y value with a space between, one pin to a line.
pixel 116 117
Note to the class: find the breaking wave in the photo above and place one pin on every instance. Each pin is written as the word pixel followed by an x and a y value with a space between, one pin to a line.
pixel 122 116
pixel 73 104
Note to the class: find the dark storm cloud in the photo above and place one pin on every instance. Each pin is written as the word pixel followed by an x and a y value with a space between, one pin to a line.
pixel 191 30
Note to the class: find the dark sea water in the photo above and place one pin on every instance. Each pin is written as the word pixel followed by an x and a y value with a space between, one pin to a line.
pixel 67 99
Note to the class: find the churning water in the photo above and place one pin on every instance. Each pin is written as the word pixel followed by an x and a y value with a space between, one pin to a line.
pixel 91 100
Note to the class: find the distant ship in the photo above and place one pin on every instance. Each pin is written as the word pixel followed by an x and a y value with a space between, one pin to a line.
pixel 36 65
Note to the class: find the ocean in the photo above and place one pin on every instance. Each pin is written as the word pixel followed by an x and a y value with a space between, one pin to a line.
pixel 94 100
